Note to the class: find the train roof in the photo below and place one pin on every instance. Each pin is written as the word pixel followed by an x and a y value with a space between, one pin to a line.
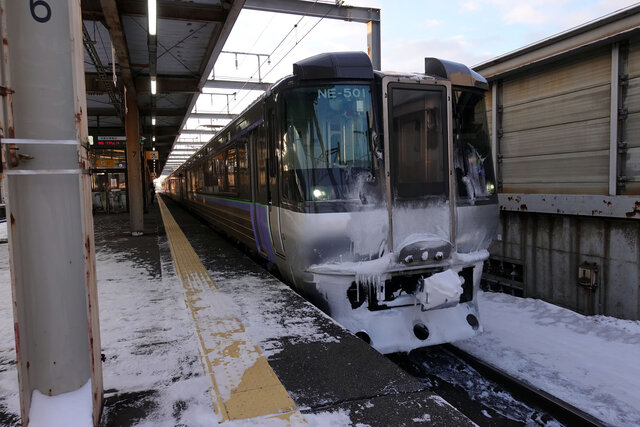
pixel 356 66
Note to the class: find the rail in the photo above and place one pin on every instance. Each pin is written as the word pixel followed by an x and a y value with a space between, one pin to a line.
pixel 561 410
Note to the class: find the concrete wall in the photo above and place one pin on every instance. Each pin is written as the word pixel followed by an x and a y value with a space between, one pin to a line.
pixel 551 247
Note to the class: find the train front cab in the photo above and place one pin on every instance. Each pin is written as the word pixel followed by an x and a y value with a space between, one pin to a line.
pixel 413 280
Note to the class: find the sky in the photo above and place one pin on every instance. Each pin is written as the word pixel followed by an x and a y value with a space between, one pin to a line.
pixel 467 31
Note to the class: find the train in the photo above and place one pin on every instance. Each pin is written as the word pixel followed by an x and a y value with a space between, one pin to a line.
pixel 372 193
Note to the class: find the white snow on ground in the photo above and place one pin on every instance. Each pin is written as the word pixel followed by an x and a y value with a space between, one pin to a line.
pixel 9 395
pixel 269 325
pixel 3 231
pixel 149 341
pixel 589 362
pixel 329 419
pixel 73 409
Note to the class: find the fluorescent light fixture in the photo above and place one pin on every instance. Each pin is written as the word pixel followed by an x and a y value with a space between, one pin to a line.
pixel 154 140
pixel 154 148
pixel 152 17
pixel 153 121
pixel 153 85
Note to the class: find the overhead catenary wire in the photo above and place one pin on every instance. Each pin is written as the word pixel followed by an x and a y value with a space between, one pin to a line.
pixel 280 60
pixel 297 42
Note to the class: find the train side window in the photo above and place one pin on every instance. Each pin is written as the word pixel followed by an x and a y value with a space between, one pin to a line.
pixel 273 136
pixel 208 175
pixel 261 165
pixel 244 185
pixel 232 170
pixel 221 173
pixel 200 178
pixel 472 147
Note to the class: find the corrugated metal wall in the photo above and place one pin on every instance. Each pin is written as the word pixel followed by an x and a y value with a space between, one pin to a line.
pixel 555 124
pixel 554 138
pixel 632 124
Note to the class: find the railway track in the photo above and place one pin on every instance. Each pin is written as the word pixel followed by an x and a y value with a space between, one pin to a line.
pixel 561 410
pixel 485 394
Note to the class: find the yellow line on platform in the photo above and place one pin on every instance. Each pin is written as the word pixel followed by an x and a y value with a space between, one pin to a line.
pixel 243 384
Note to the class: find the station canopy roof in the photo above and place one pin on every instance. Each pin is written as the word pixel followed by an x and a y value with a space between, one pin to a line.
pixel 122 56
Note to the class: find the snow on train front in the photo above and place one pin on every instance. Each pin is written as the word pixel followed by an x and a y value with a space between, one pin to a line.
pixel 397 174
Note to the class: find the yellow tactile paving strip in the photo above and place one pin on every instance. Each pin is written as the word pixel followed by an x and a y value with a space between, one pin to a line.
pixel 243 384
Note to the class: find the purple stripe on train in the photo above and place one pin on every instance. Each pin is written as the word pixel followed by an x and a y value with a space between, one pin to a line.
pixel 259 221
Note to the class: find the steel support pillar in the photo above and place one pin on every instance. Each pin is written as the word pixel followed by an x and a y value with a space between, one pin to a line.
pixel 51 242
pixel 367 15
pixel 613 119
pixel 134 167
pixel 373 44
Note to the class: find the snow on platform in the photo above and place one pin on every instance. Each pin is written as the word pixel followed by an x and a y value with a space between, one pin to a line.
pixel 153 374
pixel 591 362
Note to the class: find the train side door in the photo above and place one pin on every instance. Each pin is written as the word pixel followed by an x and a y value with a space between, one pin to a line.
pixel 273 160
pixel 260 190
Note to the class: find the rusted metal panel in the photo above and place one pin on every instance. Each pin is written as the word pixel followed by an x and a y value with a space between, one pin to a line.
pixel 568 75
pixel 6 119
pixel 623 207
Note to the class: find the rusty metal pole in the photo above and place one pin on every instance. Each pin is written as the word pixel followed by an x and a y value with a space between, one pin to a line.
pixel 51 242
pixel 134 172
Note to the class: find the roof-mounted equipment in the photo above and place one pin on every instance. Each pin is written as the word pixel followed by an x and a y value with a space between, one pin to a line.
pixel 334 65
pixel 458 74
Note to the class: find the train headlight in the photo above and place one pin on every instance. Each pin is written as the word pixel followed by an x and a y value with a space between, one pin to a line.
pixel 319 194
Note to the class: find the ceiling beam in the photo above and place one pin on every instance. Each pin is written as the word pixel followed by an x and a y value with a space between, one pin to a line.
pixel 160 131
pixel 160 112
pixel 219 37
pixel 173 10
pixel 198 132
pixel 239 85
pixel 168 84
pixel 316 9
pixel 165 84
pixel 119 42
pixel 212 116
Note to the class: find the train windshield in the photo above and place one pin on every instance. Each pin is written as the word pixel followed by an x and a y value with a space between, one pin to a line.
pixel 417 120
pixel 472 147
pixel 326 151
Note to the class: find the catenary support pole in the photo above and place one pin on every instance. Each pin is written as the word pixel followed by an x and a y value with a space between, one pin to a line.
pixel 51 242
pixel 134 173
pixel 373 44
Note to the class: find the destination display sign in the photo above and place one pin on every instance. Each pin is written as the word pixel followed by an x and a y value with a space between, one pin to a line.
pixel 110 142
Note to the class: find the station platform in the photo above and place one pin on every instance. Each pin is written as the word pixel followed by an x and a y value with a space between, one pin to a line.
pixel 194 333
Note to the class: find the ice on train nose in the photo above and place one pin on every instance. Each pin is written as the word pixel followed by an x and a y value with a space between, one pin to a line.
pixel 424 248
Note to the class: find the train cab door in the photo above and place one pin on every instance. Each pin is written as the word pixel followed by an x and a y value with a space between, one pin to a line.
pixel 273 169
pixel 417 146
